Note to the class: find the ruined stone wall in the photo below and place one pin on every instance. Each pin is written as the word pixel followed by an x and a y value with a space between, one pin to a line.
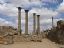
pixel 57 36
pixel 7 29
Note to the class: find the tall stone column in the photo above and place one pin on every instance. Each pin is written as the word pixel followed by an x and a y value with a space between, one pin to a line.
pixel 34 23
pixel 52 23
pixel 26 22
pixel 19 20
pixel 38 24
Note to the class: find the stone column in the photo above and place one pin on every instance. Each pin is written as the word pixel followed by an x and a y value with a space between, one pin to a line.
pixel 34 23
pixel 26 22
pixel 52 23
pixel 38 24
pixel 19 20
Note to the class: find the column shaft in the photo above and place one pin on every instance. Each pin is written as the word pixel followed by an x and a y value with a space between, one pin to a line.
pixel 38 24
pixel 34 23
pixel 26 22
pixel 19 20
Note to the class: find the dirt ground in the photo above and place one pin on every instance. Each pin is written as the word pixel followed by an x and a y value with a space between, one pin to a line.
pixel 44 44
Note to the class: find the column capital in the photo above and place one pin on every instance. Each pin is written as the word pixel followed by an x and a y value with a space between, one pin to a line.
pixel 38 15
pixel 19 8
pixel 52 17
pixel 26 10
pixel 34 13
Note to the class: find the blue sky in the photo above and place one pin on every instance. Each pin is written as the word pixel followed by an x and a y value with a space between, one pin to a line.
pixel 45 8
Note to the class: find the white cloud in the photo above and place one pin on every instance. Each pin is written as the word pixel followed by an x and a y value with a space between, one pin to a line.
pixel 45 18
pixel 44 12
pixel 61 7
pixel 11 10
pixel 8 10
pixel 3 22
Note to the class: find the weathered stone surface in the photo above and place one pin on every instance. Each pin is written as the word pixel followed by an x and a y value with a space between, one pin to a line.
pixel 1 40
pixel 57 35
pixel 24 38
pixel 36 38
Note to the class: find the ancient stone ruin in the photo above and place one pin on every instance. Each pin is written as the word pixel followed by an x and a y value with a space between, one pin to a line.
pixel 9 35
pixel 6 34
pixel 57 33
